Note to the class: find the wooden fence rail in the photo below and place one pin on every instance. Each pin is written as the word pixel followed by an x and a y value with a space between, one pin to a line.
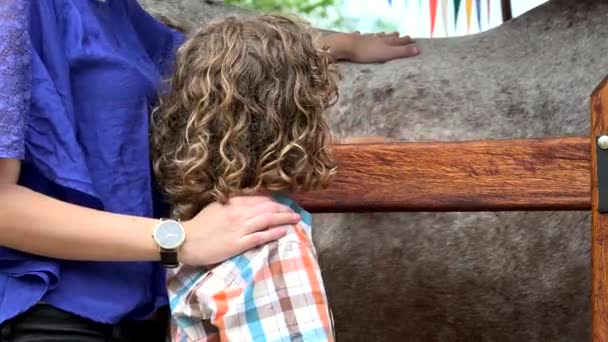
pixel 492 175
pixel 523 174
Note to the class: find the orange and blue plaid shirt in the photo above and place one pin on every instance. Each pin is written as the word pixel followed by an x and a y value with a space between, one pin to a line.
pixel 271 293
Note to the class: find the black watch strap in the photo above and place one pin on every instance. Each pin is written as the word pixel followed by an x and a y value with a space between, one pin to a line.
pixel 168 257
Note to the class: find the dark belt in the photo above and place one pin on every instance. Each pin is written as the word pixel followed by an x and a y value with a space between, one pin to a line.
pixel 44 322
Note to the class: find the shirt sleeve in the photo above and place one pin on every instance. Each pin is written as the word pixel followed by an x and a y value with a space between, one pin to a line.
pixel 271 293
pixel 15 76
pixel 160 41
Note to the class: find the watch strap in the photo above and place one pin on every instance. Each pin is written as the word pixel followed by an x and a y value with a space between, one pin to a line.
pixel 168 257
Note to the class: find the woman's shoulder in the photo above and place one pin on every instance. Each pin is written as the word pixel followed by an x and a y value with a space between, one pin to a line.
pixel 96 66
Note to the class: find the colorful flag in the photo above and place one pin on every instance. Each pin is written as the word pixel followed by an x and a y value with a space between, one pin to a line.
pixel 433 4
pixel 469 8
pixel 478 7
pixel 488 11
pixel 444 15
pixel 456 9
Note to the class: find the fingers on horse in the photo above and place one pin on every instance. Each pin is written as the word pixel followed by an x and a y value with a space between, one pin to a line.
pixel 396 40
pixel 362 140
pixel 409 50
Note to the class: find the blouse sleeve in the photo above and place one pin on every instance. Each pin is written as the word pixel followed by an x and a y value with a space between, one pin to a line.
pixel 15 76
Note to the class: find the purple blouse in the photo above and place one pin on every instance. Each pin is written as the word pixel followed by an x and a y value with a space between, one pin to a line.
pixel 77 81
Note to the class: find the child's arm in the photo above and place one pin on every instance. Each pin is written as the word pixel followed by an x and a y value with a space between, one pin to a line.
pixel 362 140
pixel 369 48
pixel 271 293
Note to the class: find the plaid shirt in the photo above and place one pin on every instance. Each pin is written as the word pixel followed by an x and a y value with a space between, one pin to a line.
pixel 270 293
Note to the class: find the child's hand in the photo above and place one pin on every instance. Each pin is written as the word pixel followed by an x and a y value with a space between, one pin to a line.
pixel 361 140
pixel 381 47
pixel 370 48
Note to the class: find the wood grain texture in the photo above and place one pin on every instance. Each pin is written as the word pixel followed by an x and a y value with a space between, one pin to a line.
pixel 493 175
pixel 599 254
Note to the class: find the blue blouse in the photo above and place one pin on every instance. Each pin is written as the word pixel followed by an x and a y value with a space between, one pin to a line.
pixel 77 81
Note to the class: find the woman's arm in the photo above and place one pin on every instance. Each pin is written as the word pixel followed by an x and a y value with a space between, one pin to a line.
pixel 32 222
pixel 38 224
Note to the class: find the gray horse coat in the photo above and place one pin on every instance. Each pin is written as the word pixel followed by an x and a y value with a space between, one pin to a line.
pixel 463 276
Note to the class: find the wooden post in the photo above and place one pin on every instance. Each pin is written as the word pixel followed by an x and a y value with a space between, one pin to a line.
pixel 506 10
pixel 599 244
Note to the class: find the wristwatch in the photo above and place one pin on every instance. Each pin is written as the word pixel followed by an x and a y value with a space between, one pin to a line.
pixel 169 235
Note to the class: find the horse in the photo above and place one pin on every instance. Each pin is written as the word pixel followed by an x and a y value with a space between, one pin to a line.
pixel 462 276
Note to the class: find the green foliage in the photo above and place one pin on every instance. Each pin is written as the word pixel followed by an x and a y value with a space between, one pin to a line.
pixel 325 14
pixel 299 7
pixel 385 26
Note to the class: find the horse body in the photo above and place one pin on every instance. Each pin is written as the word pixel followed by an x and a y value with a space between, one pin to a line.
pixel 505 276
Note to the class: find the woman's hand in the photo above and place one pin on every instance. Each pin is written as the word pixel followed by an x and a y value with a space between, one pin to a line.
pixel 370 48
pixel 219 232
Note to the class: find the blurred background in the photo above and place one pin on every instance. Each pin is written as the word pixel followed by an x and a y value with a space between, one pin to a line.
pixel 418 18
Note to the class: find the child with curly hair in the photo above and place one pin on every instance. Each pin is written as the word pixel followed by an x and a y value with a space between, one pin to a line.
pixel 244 116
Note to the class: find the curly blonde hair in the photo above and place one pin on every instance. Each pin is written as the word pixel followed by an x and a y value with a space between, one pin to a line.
pixel 244 113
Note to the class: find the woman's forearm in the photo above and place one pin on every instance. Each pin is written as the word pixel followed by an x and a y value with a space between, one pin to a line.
pixel 38 224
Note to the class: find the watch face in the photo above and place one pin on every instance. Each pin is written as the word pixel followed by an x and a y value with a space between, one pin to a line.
pixel 169 234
